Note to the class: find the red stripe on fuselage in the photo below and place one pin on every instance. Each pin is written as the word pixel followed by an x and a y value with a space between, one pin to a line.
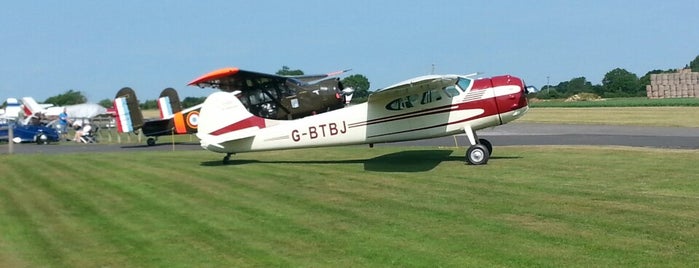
pixel 437 110
pixel 487 105
pixel 252 121
pixel 478 84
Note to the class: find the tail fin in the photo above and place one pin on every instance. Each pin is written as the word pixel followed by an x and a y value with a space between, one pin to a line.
pixel 12 109
pixel 169 103
pixel 31 106
pixel 224 118
pixel 128 114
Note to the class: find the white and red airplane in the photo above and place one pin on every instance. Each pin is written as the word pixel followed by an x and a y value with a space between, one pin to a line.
pixel 76 111
pixel 419 108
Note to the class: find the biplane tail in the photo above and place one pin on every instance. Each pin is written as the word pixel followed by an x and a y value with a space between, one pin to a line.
pixel 128 113
pixel 186 121
pixel 169 103
pixel 224 118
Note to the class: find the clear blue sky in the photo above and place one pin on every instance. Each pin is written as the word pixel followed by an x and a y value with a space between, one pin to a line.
pixel 98 47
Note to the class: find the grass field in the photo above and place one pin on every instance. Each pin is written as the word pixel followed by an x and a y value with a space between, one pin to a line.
pixel 636 116
pixel 352 206
pixel 619 102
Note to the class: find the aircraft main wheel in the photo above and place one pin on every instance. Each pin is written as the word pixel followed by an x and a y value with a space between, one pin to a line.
pixel 477 154
pixel 227 158
pixel 487 144
pixel 150 141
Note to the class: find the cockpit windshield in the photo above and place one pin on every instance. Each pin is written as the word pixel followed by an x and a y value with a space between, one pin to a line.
pixel 464 83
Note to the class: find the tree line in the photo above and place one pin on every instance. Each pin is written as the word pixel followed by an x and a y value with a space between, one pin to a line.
pixel 616 83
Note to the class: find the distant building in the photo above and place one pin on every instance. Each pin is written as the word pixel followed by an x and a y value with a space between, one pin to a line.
pixel 682 84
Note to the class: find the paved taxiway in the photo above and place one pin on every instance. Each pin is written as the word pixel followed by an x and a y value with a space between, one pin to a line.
pixel 560 134
pixel 510 134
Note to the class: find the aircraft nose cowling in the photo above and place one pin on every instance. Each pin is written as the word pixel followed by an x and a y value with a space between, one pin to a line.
pixel 510 97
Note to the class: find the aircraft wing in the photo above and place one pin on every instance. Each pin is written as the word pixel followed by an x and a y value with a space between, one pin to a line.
pixel 416 85
pixel 315 77
pixel 231 79
pixel 85 110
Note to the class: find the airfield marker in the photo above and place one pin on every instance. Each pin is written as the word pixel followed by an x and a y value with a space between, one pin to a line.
pixel 10 137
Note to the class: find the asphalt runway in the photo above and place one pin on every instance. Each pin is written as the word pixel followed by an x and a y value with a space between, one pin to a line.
pixel 560 134
pixel 529 134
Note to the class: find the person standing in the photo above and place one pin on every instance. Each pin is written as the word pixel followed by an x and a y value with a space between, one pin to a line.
pixel 63 123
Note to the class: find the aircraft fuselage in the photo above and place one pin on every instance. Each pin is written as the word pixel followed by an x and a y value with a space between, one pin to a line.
pixel 430 110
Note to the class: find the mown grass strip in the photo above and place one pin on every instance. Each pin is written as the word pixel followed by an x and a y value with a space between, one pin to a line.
pixel 634 116
pixel 617 102
pixel 352 206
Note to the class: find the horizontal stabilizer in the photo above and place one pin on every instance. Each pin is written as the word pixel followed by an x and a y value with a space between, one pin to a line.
pixel 187 120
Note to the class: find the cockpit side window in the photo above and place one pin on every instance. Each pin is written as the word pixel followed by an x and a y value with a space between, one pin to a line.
pixel 402 103
pixel 451 91
pixel 430 96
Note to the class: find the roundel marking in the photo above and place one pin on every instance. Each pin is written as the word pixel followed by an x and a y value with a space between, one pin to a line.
pixel 193 119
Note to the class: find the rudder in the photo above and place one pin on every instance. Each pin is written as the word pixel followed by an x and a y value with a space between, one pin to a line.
pixel 169 103
pixel 31 106
pixel 128 113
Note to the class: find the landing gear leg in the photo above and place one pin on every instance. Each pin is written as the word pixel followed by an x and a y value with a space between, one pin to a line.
pixel 479 151
pixel 227 158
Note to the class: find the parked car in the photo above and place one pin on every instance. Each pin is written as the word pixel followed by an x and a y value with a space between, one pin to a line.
pixel 39 134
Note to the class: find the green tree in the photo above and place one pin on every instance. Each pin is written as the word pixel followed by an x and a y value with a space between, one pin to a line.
pixel 621 83
pixel 548 92
pixel 598 89
pixel 694 65
pixel 574 86
pixel 106 103
pixel 360 84
pixel 579 85
pixel 70 97
pixel 286 71
pixel 149 105
pixel 192 101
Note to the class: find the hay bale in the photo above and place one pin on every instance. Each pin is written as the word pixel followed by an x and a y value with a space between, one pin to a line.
pixel 690 91
pixel 664 79
pixel 685 77
pixel 583 97
pixel 683 91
